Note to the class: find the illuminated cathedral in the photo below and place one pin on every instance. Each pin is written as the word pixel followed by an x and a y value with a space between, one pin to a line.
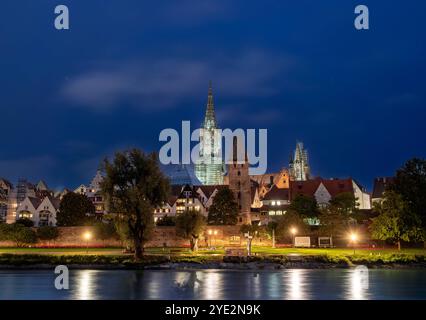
pixel 209 167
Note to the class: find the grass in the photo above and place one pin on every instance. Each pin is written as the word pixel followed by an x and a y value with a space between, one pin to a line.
pixel 115 256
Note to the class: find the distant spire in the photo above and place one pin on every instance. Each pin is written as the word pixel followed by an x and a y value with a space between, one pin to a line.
pixel 210 118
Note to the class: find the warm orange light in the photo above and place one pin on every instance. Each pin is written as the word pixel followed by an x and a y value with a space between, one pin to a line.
pixel 87 236
pixel 215 232
pixel 354 237
pixel 209 232
pixel 293 230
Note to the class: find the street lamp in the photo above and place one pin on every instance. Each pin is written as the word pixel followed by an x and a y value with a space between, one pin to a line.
pixel 293 231
pixel 87 236
pixel 354 238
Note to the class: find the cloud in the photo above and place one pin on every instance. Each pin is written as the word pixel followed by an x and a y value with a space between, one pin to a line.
pixel 237 114
pixel 34 167
pixel 156 84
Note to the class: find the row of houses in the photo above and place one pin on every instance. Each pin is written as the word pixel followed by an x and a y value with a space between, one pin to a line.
pixel 269 196
pixel 39 203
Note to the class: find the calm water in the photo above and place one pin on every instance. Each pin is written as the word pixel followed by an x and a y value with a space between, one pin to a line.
pixel 217 284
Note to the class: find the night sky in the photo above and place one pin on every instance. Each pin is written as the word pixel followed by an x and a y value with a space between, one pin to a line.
pixel 128 69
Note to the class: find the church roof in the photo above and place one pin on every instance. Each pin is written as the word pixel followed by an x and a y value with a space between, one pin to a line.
pixel 180 174
pixel 210 117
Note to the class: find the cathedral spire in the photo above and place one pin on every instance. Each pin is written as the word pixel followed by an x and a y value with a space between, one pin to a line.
pixel 210 118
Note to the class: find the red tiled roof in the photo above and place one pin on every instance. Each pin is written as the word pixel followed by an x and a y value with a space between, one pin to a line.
pixel 277 194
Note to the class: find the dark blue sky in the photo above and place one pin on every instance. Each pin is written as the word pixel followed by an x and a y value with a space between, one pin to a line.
pixel 128 69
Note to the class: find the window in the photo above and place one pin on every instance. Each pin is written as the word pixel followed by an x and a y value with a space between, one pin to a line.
pixel 279 213
pixel 273 203
pixel 278 203
pixel 272 213
pixel 239 173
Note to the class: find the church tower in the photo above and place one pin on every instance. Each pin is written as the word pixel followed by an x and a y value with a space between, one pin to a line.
pixel 209 166
pixel 239 181
pixel 299 165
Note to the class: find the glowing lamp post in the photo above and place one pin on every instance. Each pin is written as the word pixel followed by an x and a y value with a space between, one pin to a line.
pixel 354 238
pixel 87 236
pixel 293 232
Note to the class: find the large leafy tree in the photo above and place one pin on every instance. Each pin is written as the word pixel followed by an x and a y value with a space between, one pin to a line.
pixel 133 186
pixel 305 206
pixel 410 183
pixel 74 210
pixel 290 220
pixel 345 202
pixel 395 222
pixel 224 209
pixel 190 225
pixel 332 222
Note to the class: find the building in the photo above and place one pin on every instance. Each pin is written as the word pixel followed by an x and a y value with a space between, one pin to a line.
pixel 94 192
pixel 42 211
pixel 299 164
pixel 379 187
pixel 5 189
pixel 180 174
pixel 209 165
pixel 239 181
pixel 24 189
pixel 323 190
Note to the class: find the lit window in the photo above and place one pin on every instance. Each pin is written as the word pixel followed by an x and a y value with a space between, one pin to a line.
pixel 278 203
pixel 272 213
pixel 279 213
pixel 273 203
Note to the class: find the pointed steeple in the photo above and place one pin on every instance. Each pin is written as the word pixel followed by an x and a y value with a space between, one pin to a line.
pixel 210 118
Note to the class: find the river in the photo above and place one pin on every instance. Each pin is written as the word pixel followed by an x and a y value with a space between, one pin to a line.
pixel 217 284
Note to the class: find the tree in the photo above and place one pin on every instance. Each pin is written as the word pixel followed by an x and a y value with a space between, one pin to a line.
pixel 288 221
pixel 345 203
pixel 74 210
pixel 332 222
pixel 224 209
pixel 133 186
pixel 410 183
pixel 47 233
pixel 25 222
pixel 305 206
pixel 105 230
pixel 190 225
pixel 18 233
pixel 166 221
pixel 395 221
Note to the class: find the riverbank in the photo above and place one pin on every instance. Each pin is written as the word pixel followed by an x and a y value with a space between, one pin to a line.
pixel 269 262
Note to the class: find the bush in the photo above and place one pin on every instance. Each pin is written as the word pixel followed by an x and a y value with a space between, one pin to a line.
pixel 25 222
pixel 105 230
pixel 21 235
pixel 47 233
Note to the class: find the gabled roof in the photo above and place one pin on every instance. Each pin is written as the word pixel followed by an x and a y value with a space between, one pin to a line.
pixel 41 186
pixel 380 185
pixel 337 186
pixel 35 201
pixel 55 202
pixel 7 183
pixel 277 194
pixel 309 187
pixel 210 189
pixel 306 188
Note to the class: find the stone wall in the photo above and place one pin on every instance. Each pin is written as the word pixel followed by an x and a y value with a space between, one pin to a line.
pixel 220 236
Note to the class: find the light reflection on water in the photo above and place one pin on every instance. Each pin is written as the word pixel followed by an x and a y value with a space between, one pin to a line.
pixel 292 284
